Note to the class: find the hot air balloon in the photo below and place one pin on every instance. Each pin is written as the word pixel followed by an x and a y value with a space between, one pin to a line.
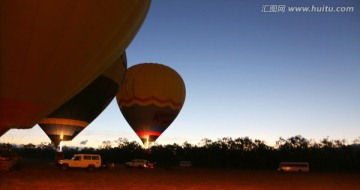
pixel 51 50
pixel 3 131
pixel 150 98
pixel 77 113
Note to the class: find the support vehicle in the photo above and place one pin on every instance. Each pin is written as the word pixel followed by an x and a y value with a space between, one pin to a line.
pixel 88 161
pixel 139 163
pixel 294 166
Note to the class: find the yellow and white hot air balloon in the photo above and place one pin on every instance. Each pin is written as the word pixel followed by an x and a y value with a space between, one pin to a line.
pixel 150 98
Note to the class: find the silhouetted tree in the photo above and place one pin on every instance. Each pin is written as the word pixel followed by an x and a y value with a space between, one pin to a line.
pixel 238 153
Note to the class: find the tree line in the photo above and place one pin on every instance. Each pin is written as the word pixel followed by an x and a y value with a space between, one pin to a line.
pixel 229 153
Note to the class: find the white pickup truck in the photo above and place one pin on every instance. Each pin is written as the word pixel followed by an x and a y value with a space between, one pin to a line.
pixel 88 161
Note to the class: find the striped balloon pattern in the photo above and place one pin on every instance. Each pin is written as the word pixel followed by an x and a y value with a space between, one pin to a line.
pixel 150 99
pixel 76 114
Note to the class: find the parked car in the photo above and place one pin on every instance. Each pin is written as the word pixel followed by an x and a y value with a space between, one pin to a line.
pixel 294 166
pixel 9 160
pixel 185 164
pixel 140 163
pixel 88 161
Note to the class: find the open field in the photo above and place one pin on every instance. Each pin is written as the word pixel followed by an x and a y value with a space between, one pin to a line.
pixel 47 176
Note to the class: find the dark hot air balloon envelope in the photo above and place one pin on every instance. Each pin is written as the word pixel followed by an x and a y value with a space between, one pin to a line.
pixel 77 113
pixel 52 49
pixel 3 131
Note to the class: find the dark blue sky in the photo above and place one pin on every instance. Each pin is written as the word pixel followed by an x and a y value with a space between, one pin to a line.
pixel 247 72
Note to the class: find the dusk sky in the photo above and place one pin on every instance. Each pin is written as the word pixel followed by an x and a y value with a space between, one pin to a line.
pixel 249 70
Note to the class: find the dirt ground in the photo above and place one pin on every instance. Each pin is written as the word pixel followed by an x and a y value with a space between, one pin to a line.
pixel 47 176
